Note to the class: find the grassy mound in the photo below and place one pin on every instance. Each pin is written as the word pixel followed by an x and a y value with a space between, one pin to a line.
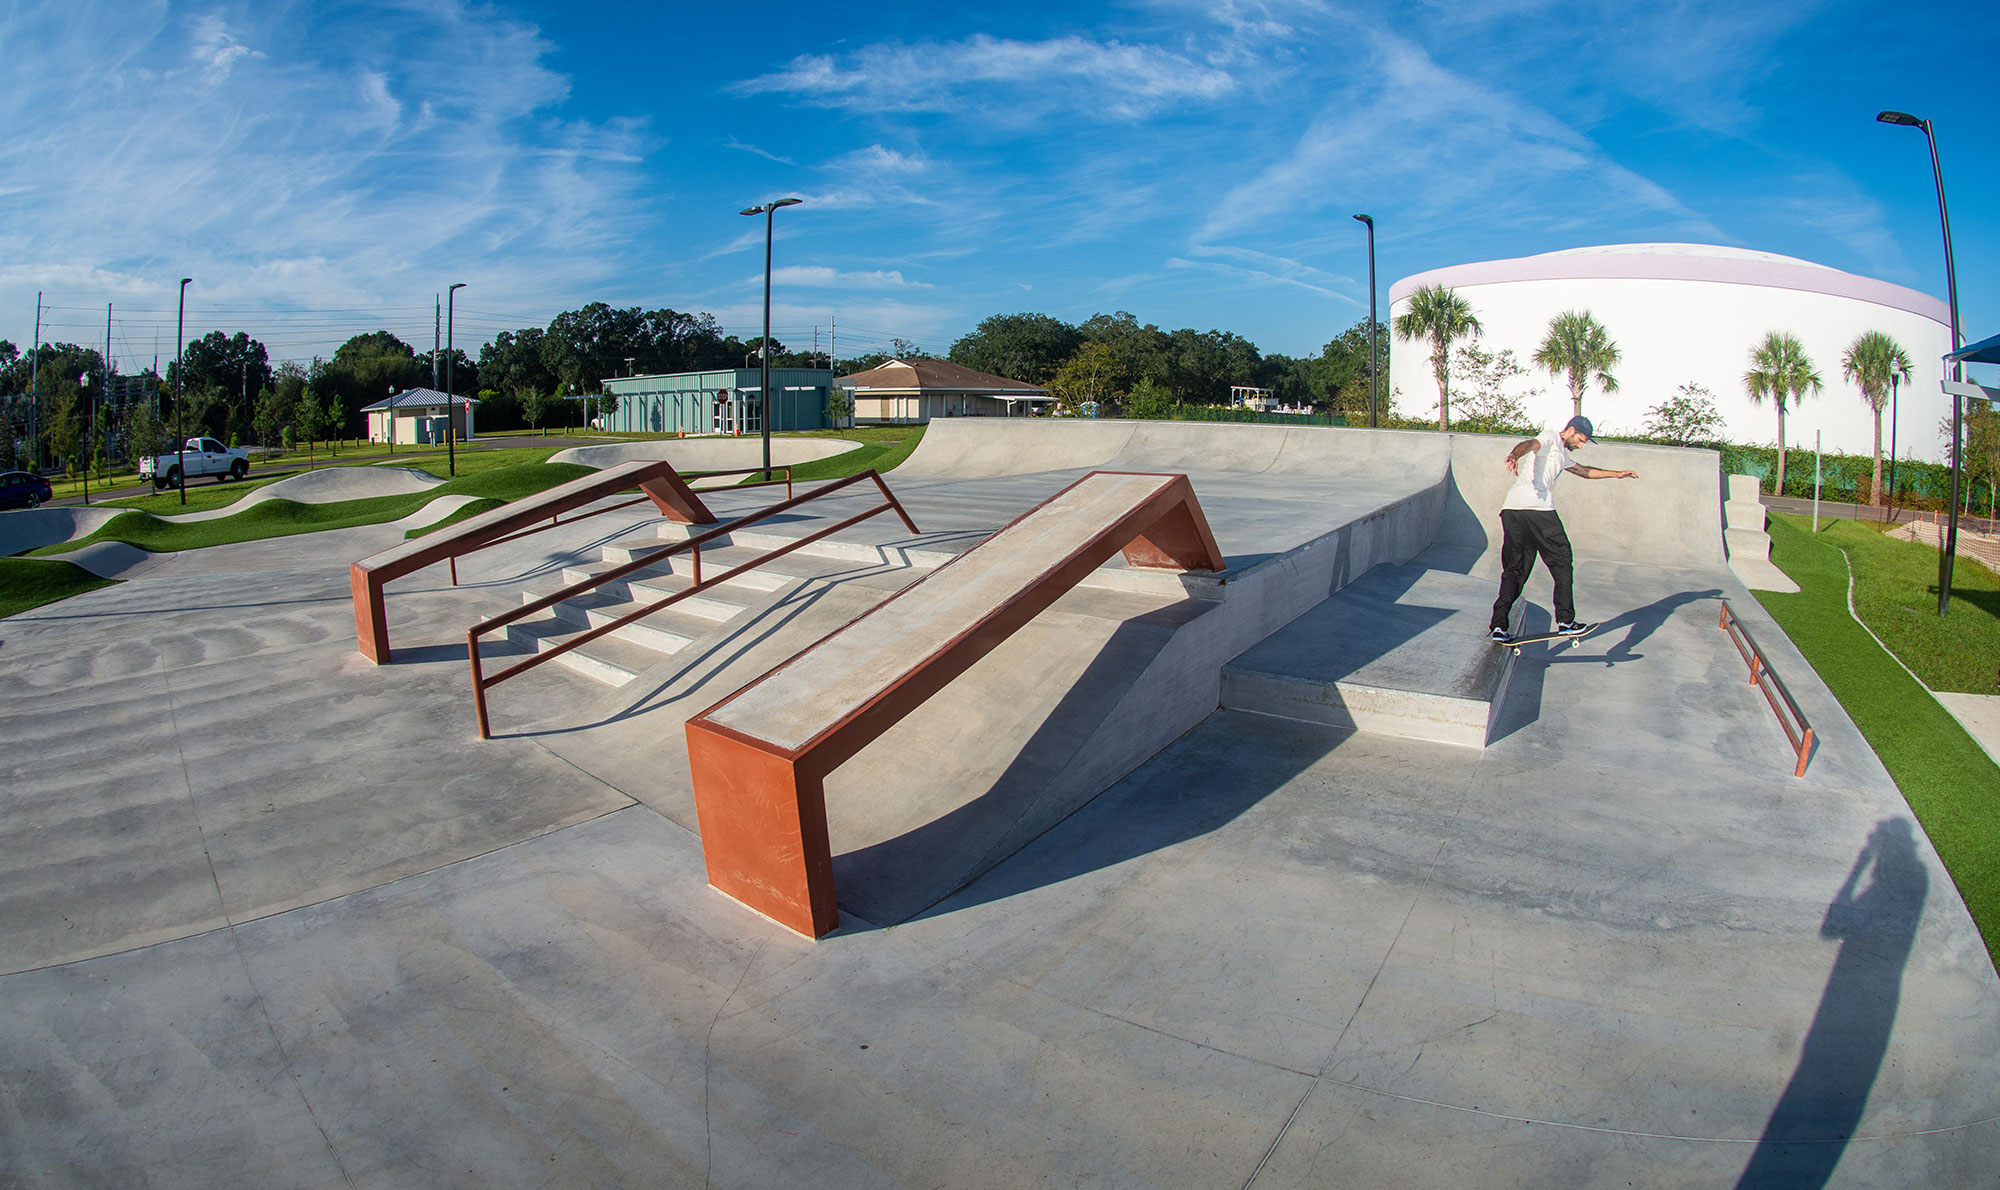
pixel 29 582
pixel 1952 786
pixel 285 518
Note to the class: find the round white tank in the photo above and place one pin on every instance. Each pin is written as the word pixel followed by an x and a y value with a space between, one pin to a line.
pixel 1692 313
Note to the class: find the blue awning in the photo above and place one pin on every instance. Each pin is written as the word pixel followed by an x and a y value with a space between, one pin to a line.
pixel 1986 351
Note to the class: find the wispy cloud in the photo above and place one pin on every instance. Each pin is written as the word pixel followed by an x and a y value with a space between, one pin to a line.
pixel 814 276
pixel 764 153
pixel 366 155
pixel 1102 80
pixel 1451 145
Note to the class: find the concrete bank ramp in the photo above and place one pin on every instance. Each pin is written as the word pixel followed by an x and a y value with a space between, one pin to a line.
pixel 1671 515
pixel 706 454
pixel 24 529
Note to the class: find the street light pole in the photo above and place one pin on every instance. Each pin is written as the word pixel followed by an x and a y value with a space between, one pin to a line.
pixel 450 396
pixel 1374 357
pixel 768 211
pixel 180 384
pixel 1950 550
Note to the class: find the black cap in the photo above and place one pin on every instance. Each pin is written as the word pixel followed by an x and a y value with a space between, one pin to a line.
pixel 1582 425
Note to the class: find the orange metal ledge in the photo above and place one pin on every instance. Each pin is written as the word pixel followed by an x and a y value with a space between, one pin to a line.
pixel 762 805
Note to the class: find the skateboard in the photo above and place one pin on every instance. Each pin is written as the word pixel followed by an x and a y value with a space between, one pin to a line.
pixel 1515 642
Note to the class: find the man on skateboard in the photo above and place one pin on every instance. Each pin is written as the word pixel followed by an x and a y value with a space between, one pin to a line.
pixel 1529 526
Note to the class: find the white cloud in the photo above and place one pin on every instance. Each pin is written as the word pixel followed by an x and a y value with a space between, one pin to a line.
pixel 349 154
pixel 1010 79
pixel 822 277
pixel 1455 147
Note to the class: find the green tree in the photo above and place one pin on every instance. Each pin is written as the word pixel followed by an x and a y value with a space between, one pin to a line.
pixel 237 365
pixel 1149 399
pixel 1687 417
pixel 1137 351
pixel 1442 317
pixel 1486 402
pixel 1084 378
pixel 1025 347
pixel 1577 347
pixel 535 404
pixel 1982 450
pixel 1875 363
pixel 1780 370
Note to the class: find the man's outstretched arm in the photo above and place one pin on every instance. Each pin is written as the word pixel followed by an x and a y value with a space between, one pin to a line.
pixel 1583 472
pixel 1525 446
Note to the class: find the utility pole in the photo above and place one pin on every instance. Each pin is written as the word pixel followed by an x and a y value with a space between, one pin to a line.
pixel 35 393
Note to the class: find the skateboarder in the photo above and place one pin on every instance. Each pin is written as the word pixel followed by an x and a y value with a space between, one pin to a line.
pixel 1529 525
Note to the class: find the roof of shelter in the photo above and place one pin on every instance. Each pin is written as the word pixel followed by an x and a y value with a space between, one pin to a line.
pixel 934 375
pixel 418 398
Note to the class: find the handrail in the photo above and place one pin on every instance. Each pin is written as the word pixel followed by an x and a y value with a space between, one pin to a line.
pixel 481 682
pixel 1766 680
pixel 554 522
pixel 658 480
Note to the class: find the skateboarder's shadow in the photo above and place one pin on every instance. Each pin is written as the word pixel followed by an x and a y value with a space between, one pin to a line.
pixel 1642 622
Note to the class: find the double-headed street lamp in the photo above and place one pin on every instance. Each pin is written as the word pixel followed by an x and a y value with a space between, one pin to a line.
pixel 450 396
pixel 767 210
pixel 1950 549
pixel 1374 359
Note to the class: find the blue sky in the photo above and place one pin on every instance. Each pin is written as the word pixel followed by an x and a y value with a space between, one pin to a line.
pixel 322 170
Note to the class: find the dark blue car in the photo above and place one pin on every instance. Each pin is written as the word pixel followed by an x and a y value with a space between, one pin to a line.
pixel 19 489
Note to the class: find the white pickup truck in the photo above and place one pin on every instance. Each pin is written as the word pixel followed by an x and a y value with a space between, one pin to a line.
pixel 201 456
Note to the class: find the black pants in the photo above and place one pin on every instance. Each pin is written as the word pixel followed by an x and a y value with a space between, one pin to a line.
pixel 1524 534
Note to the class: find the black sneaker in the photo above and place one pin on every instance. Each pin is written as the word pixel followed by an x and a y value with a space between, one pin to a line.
pixel 1498 634
pixel 1572 628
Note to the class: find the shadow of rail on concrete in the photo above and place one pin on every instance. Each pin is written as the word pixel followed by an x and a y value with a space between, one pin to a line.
pixel 1816 1116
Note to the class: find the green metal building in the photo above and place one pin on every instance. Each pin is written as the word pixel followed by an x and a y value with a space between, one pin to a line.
pixel 724 402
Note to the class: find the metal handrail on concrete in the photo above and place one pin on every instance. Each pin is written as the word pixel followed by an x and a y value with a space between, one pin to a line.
pixel 1762 676
pixel 481 683
pixel 760 757
pixel 690 476
pixel 656 480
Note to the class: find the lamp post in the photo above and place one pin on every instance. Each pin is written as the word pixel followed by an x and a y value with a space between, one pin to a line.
pixel 180 383
pixel 1374 359
pixel 89 412
pixel 767 210
pixel 1945 555
pixel 450 397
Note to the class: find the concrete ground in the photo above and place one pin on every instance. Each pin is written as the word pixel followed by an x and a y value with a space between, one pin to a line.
pixel 274 916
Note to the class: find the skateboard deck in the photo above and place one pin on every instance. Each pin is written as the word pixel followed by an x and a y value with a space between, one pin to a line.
pixel 1515 642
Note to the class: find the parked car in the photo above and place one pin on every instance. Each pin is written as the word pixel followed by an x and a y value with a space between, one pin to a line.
pixel 21 489
pixel 203 456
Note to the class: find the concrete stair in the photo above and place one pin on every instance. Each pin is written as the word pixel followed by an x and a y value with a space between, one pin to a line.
pixel 621 655
pixel 1400 651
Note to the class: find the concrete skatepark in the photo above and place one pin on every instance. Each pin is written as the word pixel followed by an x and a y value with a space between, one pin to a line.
pixel 1130 903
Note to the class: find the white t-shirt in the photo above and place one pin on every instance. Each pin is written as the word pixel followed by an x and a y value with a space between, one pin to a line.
pixel 1534 485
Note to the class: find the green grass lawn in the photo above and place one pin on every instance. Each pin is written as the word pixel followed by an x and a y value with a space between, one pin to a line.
pixel 882 447
pixel 1952 786
pixel 31 582
pixel 1895 592
pixel 282 518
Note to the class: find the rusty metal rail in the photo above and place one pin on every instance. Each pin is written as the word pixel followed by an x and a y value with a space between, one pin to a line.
pixel 689 476
pixel 1793 720
pixel 481 682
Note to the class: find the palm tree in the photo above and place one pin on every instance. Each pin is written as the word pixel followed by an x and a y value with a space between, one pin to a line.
pixel 1781 370
pixel 1576 346
pixel 1440 315
pixel 1875 362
